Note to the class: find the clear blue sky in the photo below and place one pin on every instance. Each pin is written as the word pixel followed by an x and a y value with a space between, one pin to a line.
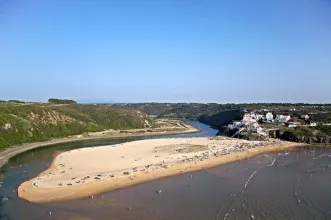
pixel 166 51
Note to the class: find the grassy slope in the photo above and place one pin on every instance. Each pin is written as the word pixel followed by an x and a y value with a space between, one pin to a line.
pixel 308 131
pixel 179 110
pixel 22 123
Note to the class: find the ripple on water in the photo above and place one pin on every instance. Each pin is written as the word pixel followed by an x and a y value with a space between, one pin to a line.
pixel 248 190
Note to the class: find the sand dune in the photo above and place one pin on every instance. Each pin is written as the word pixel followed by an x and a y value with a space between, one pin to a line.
pixel 90 171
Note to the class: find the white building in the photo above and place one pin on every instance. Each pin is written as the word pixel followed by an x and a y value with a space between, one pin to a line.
pixel 251 118
pixel 248 118
pixel 313 124
pixel 269 116
pixel 283 118
pixel 236 125
pixel 249 123
pixel 306 117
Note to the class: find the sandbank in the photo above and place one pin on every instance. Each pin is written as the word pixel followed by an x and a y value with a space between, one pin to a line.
pixel 90 171
pixel 166 127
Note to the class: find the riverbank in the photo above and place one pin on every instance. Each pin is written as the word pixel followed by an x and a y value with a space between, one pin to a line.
pixel 165 127
pixel 90 171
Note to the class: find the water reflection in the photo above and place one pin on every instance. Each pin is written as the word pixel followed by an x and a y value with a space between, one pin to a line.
pixel 28 164
pixel 285 190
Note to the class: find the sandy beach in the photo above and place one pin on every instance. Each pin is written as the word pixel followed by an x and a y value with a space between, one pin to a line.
pixel 164 127
pixel 90 171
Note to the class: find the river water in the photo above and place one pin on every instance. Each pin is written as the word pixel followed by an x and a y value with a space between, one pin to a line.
pixel 284 185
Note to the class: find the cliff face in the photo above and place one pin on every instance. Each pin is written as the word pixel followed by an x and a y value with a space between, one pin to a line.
pixel 222 118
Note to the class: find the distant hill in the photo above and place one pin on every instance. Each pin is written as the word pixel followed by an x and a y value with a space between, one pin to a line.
pixel 21 123
pixel 149 108
pixel 213 114
pixel 218 115
pixel 179 110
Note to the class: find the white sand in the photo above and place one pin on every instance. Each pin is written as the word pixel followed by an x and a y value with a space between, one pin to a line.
pixel 117 166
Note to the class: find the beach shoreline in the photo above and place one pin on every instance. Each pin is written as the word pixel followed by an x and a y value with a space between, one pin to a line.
pixel 10 152
pixel 44 188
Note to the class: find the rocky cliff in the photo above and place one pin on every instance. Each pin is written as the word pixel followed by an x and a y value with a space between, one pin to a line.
pixel 222 118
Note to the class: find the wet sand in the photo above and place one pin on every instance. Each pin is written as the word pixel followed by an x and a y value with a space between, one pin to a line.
pixel 91 171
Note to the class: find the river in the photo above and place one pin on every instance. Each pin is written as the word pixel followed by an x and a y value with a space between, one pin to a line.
pixel 285 185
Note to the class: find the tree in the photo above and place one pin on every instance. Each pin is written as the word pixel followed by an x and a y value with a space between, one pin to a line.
pixel 16 101
pixel 61 101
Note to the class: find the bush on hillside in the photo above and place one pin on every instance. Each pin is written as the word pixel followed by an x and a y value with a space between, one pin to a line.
pixel 40 122
pixel 16 101
pixel 61 101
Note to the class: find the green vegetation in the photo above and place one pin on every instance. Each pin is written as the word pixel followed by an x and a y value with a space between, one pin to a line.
pixel 22 123
pixel 166 108
pixel 298 131
pixel 218 115
pixel 321 130
pixel 321 117
pixel 179 110
pixel 325 130
pixel 195 110
pixel 319 113
pixel 149 108
pixel 30 122
pixel 16 101
pixel 61 101
pixel 210 113
pixel 222 118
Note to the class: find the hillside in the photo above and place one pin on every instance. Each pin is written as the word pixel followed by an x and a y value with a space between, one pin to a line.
pixel 195 110
pixel 215 115
pixel 319 134
pixel 319 113
pixel 179 110
pixel 220 115
pixel 149 108
pixel 22 123
pixel 222 118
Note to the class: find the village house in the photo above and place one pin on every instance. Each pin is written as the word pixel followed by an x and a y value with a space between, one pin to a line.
pixel 269 117
pixel 251 117
pixel 306 117
pixel 249 123
pixel 282 118
pixel 313 124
